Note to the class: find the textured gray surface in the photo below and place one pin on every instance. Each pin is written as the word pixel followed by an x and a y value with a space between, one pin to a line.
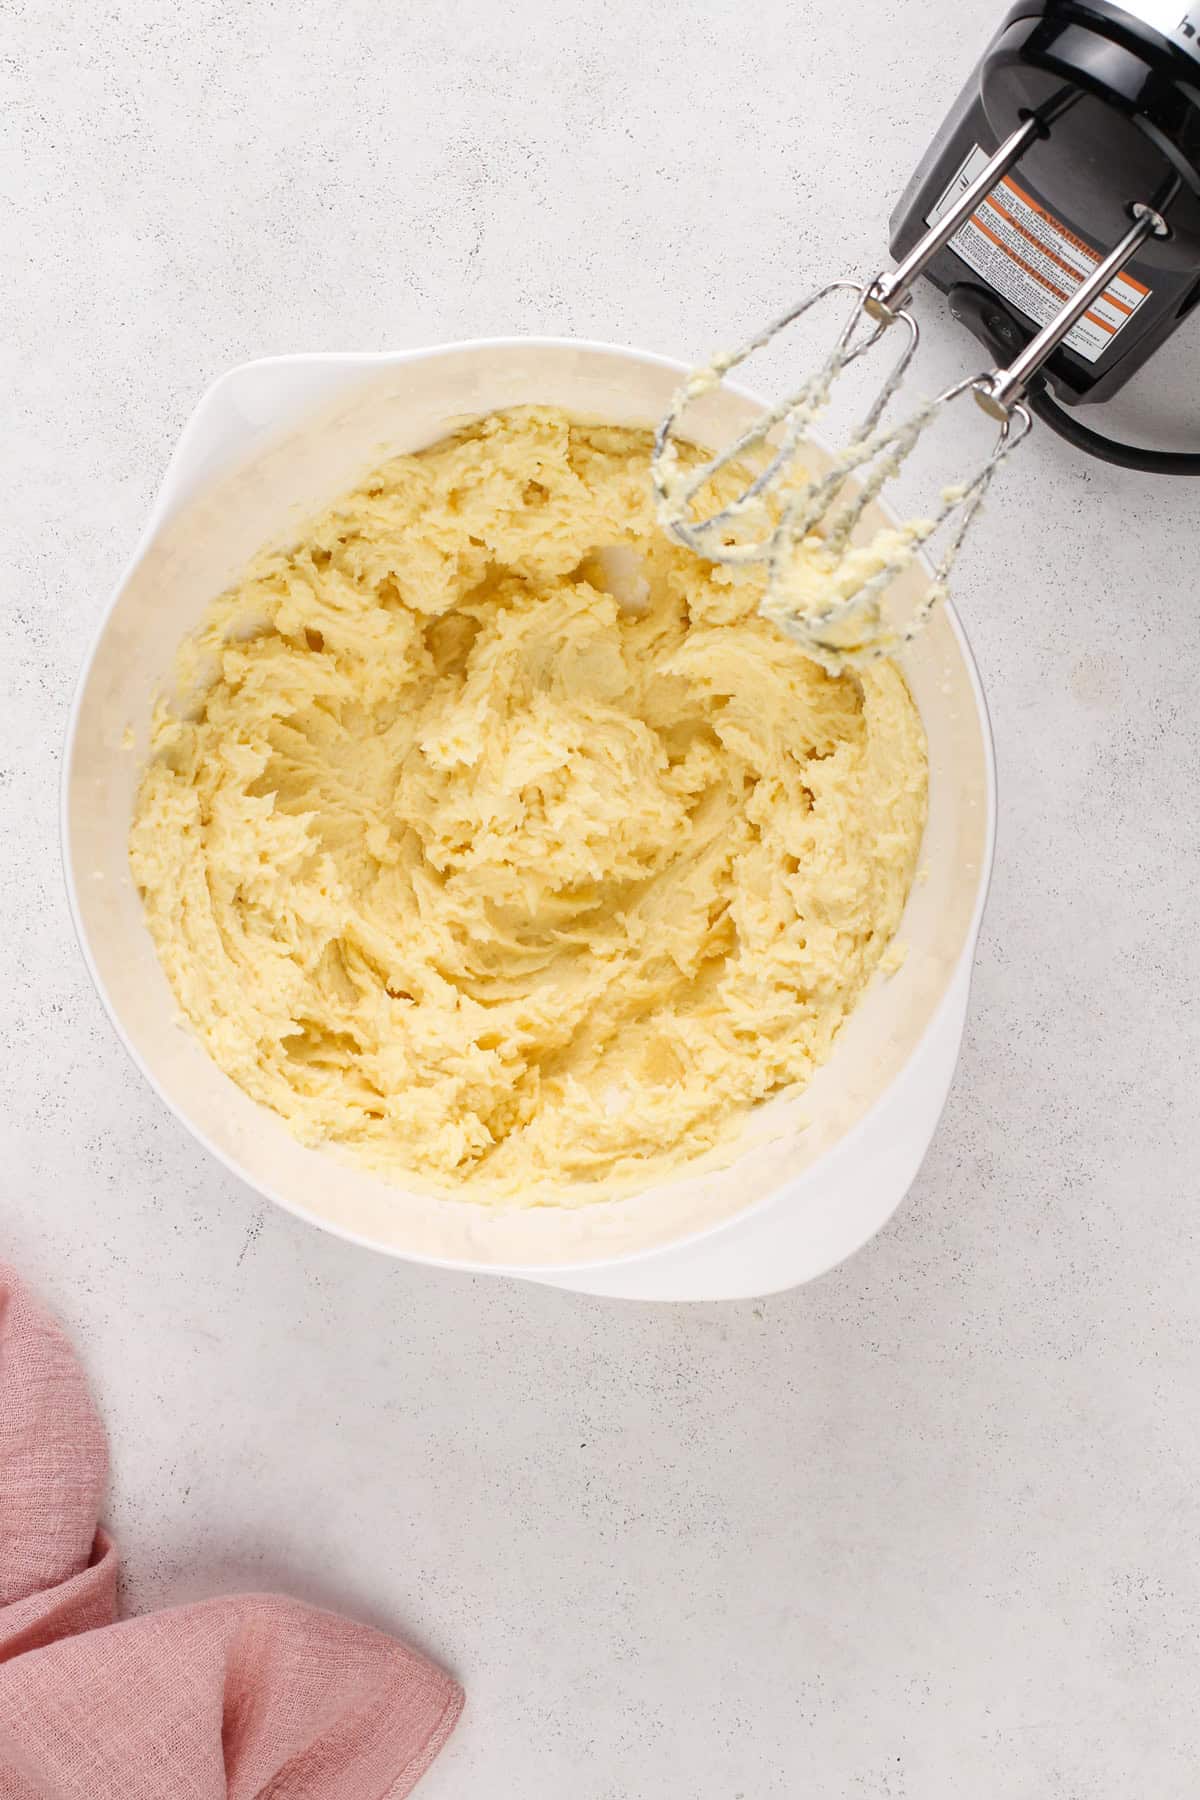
pixel 927 1528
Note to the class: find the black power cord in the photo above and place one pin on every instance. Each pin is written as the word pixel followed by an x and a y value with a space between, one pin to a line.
pixel 985 317
pixel 1127 456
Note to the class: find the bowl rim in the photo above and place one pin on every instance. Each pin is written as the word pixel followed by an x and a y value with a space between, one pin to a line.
pixel 954 997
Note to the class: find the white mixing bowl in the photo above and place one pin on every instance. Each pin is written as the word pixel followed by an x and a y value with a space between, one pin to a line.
pixel 272 443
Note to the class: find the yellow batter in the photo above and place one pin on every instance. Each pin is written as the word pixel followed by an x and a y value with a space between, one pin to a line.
pixel 508 847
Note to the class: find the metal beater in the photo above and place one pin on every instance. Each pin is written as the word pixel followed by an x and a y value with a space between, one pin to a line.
pixel 827 575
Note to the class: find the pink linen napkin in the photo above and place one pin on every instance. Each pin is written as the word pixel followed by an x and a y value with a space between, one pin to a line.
pixel 250 1696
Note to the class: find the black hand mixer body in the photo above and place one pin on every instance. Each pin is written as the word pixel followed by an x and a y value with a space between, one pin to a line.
pixel 1059 210
pixel 1115 93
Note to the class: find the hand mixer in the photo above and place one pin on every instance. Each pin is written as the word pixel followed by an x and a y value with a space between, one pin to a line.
pixel 1097 106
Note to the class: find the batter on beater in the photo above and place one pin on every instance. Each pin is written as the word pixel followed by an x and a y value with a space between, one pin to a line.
pixel 506 846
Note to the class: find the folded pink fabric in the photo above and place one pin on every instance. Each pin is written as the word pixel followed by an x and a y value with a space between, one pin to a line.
pixel 250 1696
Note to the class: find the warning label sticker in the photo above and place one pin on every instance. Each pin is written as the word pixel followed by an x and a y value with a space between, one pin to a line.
pixel 1031 258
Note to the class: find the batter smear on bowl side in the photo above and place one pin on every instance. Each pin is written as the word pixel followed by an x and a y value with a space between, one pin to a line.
pixel 505 846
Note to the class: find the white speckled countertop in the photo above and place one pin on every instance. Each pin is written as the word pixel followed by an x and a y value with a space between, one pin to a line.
pixel 928 1528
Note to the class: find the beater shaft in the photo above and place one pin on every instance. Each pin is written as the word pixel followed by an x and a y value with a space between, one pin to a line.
pixel 888 293
pixel 998 391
